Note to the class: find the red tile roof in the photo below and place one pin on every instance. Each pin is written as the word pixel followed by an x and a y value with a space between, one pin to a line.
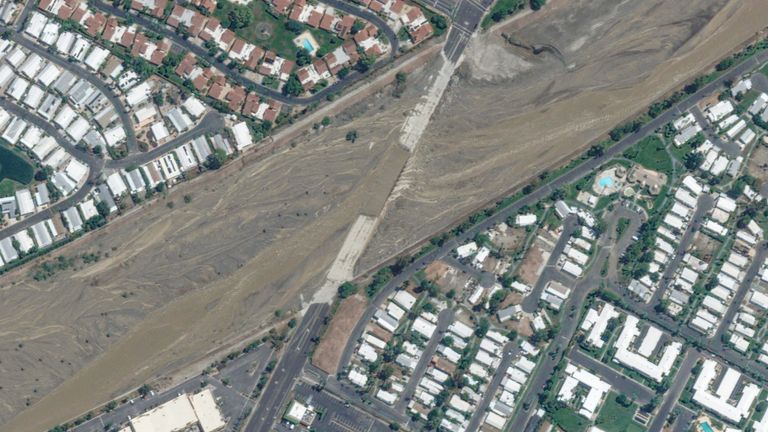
pixel 95 23
pixel 235 98
pixel 314 19
pixel 327 22
pixel 254 58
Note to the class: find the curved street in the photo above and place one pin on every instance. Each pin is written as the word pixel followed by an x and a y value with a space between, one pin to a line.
pixel 89 76
pixel 95 166
pixel 263 90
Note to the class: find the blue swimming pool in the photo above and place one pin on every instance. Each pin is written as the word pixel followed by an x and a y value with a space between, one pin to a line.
pixel 308 45
pixel 706 428
pixel 605 182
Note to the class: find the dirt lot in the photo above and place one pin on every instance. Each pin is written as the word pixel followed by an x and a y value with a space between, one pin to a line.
pixel 530 269
pixel 328 352
pixel 705 247
pixel 182 282
pixel 758 164
pixel 510 114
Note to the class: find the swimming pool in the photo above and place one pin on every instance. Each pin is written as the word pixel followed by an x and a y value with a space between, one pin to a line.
pixel 605 182
pixel 706 428
pixel 307 45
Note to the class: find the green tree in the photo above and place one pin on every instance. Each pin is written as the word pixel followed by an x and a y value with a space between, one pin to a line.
pixel 293 86
pixel 294 27
pixel 239 16
pixel 693 160
pixel 351 136
pixel 103 209
pixel 439 24
pixel 364 64
pixel 537 4
pixel 216 159
pixel 357 26
pixel 145 390
pixel 302 57
pixel 347 289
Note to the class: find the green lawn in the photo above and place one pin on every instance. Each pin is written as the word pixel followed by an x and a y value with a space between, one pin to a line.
pixel 279 38
pixel 15 170
pixel 569 421
pixel 614 417
pixel 748 99
pixel 651 153
pixel 500 10
pixel 328 41
pixel 8 187
pixel 764 70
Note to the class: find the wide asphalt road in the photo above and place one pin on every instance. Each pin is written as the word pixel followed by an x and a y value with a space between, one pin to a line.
pixel 263 90
pixel 543 190
pixel 288 370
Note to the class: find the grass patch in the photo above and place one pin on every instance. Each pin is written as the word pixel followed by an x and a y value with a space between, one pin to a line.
pixel 747 100
pixel 569 421
pixel 278 38
pixel 651 153
pixel 614 417
pixel 15 166
pixel 328 41
pixel 679 152
pixel 500 10
pixel 8 187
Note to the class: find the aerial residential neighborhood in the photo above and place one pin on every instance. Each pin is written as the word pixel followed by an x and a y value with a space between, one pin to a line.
pixel 203 216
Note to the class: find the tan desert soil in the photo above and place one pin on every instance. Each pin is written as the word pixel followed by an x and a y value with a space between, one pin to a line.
pixel 328 352
pixel 182 282
pixel 511 114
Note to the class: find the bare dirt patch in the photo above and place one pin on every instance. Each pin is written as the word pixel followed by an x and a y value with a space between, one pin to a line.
pixel 181 283
pixel 507 237
pixel 705 247
pixel 437 270
pixel 329 350
pixel 184 282
pixel 758 163
pixel 530 268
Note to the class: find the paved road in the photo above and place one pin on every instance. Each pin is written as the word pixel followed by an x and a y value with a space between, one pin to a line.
pixel 673 394
pixel 542 191
pixel 511 351
pixel 760 82
pixel 744 288
pixel 444 320
pixel 703 206
pixel 683 331
pixel 531 302
pixel 212 122
pixel 636 218
pixel 370 404
pixel 568 326
pixel 94 164
pixel 684 420
pixel 201 52
pixel 288 370
pixel 230 402
pixel 89 76
pixel 731 148
pixel 620 382
pixel 338 415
